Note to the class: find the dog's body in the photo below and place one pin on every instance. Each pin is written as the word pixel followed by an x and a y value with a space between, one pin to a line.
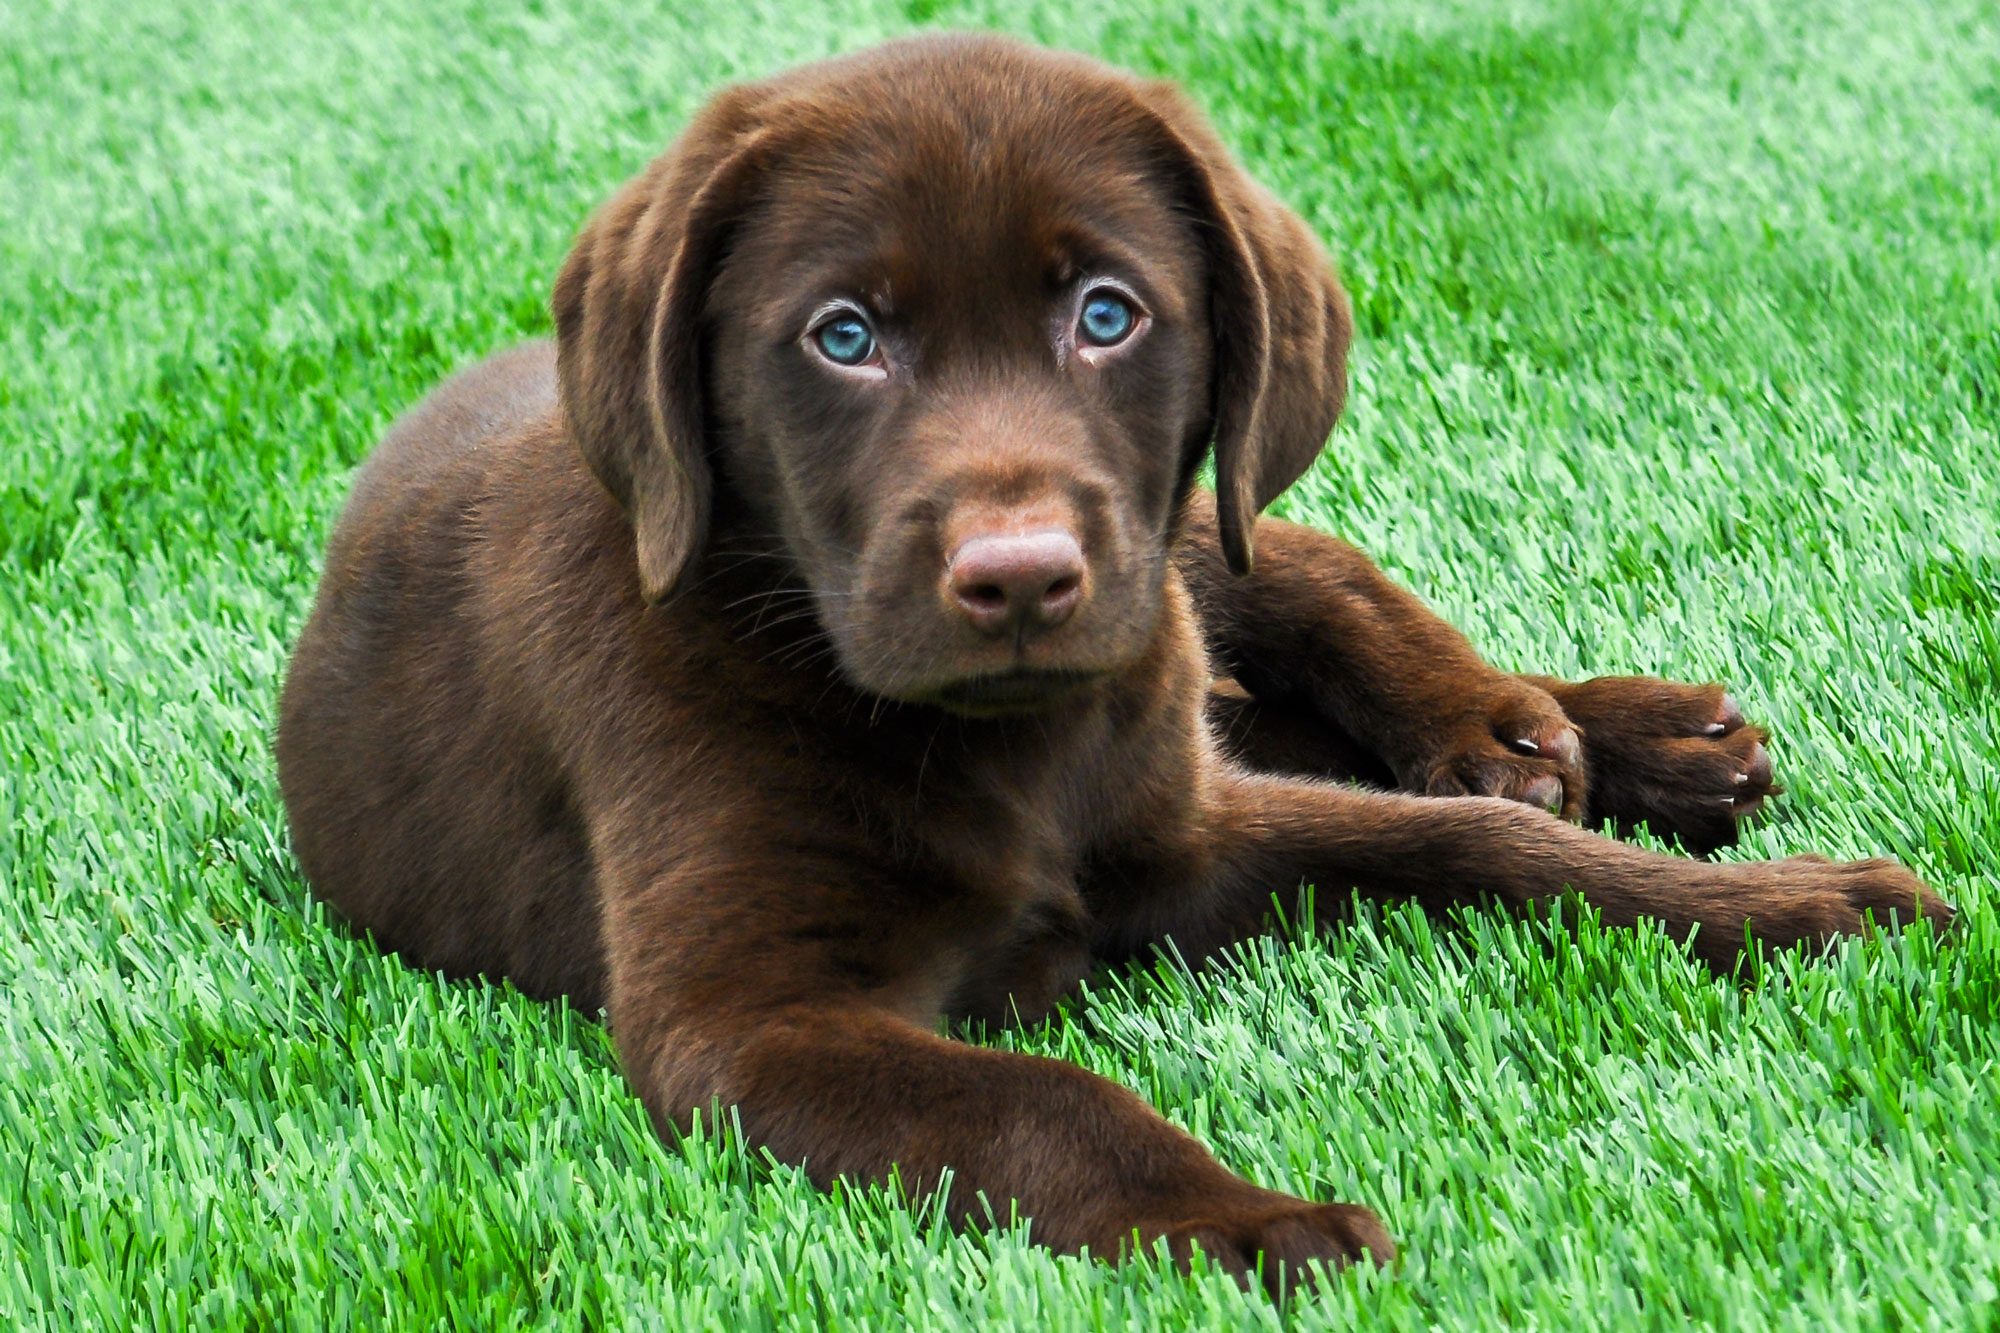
pixel 782 702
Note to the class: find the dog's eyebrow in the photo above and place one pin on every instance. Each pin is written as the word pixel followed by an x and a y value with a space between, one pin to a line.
pixel 1091 278
pixel 876 303
pixel 1089 255
pixel 833 307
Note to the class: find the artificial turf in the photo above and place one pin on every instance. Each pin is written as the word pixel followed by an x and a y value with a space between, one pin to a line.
pixel 1677 353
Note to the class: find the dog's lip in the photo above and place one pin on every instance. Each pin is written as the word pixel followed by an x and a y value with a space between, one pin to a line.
pixel 1012 690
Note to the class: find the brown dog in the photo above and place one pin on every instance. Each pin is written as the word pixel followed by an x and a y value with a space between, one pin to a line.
pixel 819 639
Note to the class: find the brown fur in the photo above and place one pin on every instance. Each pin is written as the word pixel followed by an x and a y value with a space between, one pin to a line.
pixel 632 678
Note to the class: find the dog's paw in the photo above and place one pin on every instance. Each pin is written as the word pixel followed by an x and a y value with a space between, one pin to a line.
pixel 1281 1243
pixel 1813 901
pixel 1508 739
pixel 1678 758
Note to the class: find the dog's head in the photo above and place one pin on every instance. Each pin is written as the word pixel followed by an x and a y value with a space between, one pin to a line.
pixel 953 323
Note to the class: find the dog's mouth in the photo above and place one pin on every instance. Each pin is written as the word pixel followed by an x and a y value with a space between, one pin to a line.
pixel 1016 690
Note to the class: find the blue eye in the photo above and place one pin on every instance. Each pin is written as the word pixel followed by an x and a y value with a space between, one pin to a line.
pixel 845 341
pixel 1107 319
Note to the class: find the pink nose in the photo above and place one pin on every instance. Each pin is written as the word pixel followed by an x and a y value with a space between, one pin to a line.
pixel 1017 581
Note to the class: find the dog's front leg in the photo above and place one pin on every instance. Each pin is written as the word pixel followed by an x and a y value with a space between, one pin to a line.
pixel 1317 628
pixel 1260 834
pixel 1332 649
pixel 803 1008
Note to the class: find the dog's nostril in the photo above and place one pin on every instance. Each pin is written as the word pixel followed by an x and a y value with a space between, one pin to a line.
pixel 1015 581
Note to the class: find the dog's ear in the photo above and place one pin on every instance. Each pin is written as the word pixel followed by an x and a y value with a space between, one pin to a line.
pixel 1281 326
pixel 628 311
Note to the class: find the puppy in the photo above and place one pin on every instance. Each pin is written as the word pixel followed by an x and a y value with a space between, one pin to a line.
pixel 818 641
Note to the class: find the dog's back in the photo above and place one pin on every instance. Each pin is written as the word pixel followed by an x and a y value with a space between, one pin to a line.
pixel 414 808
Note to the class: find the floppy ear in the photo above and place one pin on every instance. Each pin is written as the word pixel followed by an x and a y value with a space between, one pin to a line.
pixel 1281 327
pixel 628 310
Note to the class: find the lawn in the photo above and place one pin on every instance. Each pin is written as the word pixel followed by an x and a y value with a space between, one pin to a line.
pixel 1677 353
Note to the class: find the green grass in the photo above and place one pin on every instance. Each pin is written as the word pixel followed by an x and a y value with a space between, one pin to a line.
pixel 1678 353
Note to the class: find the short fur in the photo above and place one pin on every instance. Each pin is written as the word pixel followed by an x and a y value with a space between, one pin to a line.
pixel 631 678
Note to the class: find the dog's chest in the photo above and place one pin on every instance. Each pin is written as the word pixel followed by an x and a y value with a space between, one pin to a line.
pixel 989 831
pixel 996 849
pixel 1017 936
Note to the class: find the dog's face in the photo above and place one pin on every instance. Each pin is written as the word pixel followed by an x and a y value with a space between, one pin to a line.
pixel 961 366
pixel 953 324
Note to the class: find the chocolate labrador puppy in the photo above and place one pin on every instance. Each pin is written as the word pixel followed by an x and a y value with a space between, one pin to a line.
pixel 822 640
